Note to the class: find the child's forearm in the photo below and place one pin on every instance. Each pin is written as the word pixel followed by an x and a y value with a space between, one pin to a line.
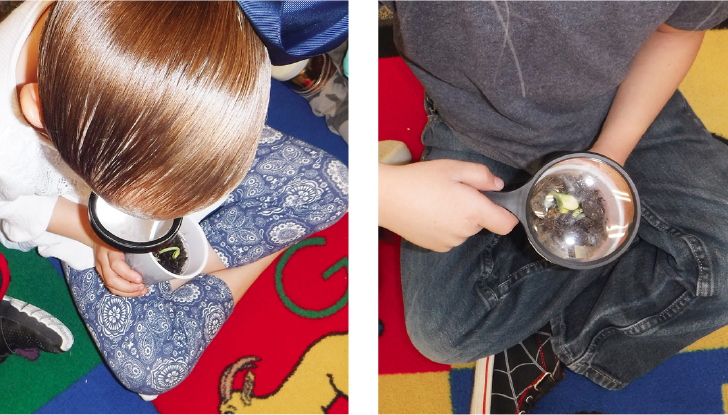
pixel 70 219
pixel 654 75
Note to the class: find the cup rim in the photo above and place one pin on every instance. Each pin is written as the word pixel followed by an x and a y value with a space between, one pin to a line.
pixel 205 254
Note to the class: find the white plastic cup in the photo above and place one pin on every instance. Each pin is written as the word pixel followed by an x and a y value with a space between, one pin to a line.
pixel 195 243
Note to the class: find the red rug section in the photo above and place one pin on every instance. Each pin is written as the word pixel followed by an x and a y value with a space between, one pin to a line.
pixel 263 326
pixel 401 117
pixel 5 277
pixel 397 354
pixel 402 113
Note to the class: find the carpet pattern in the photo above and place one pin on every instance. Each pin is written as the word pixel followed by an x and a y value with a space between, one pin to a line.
pixel 694 381
pixel 283 322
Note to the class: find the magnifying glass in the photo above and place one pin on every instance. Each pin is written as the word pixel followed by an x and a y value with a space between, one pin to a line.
pixel 128 233
pixel 580 210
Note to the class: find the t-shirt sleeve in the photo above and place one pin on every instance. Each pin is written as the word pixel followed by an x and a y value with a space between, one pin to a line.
pixel 27 217
pixel 698 15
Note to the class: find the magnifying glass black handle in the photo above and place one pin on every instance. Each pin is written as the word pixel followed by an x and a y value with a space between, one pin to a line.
pixel 513 201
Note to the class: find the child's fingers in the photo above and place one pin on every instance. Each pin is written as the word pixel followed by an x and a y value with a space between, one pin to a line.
pixel 493 217
pixel 490 216
pixel 120 267
pixel 121 287
pixel 476 175
pixel 116 284
pixel 497 219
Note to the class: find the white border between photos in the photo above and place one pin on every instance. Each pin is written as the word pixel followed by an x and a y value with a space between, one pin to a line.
pixel 363 252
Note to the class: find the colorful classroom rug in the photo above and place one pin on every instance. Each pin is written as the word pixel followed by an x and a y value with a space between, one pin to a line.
pixel 285 344
pixel 694 381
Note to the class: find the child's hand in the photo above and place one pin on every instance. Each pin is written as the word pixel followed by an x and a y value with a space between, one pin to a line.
pixel 118 277
pixel 438 205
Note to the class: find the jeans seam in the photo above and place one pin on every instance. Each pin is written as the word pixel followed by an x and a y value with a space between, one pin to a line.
pixel 504 288
pixel 486 264
pixel 431 119
pixel 704 286
pixel 425 152
pixel 677 307
pixel 429 124
pixel 488 296
pixel 558 327
pixel 606 377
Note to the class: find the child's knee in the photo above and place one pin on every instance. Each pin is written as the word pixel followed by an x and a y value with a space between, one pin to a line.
pixel 338 174
pixel 436 347
pixel 144 379
pixel 325 199
pixel 432 337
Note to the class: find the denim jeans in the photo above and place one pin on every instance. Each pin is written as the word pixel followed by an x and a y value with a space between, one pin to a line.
pixel 151 343
pixel 613 323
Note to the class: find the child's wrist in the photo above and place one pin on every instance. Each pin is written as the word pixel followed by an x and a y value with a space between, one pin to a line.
pixel 616 144
pixel 617 154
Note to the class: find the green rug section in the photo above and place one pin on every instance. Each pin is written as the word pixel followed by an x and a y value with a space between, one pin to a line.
pixel 26 386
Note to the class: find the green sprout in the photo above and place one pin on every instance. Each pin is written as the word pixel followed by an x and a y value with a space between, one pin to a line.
pixel 566 202
pixel 171 248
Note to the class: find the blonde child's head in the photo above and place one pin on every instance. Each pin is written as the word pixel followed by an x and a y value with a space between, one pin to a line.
pixel 157 106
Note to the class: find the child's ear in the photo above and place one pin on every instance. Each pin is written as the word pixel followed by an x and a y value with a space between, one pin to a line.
pixel 30 105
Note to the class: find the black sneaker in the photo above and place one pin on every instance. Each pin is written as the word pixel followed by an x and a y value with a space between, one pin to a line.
pixel 524 373
pixel 26 327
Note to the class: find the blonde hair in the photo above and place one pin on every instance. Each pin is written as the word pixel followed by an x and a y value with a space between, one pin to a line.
pixel 157 106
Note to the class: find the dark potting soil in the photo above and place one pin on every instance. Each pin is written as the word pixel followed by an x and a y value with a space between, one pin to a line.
pixel 167 259
pixel 556 224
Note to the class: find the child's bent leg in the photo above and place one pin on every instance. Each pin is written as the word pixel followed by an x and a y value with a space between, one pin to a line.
pixel 669 289
pixel 151 343
pixel 293 190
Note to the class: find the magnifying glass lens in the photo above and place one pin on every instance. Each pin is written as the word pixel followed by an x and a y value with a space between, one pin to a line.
pixel 128 233
pixel 129 227
pixel 580 209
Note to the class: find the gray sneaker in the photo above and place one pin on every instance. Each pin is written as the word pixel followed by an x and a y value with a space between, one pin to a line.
pixel 25 327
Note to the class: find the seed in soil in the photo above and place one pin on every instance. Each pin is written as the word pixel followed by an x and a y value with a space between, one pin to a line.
pixel 173 257
pixel 568 215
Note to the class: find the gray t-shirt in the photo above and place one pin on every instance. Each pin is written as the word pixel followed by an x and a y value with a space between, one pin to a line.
pixel 519 80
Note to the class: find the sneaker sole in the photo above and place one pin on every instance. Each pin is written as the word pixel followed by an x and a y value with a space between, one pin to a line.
pixel 44 318
pixel 482 386
pixel 148 398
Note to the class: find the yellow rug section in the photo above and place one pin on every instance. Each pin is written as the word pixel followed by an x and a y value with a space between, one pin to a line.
pixel 706 89
pixel 706 85
pixel 716 340
pixel 415 393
